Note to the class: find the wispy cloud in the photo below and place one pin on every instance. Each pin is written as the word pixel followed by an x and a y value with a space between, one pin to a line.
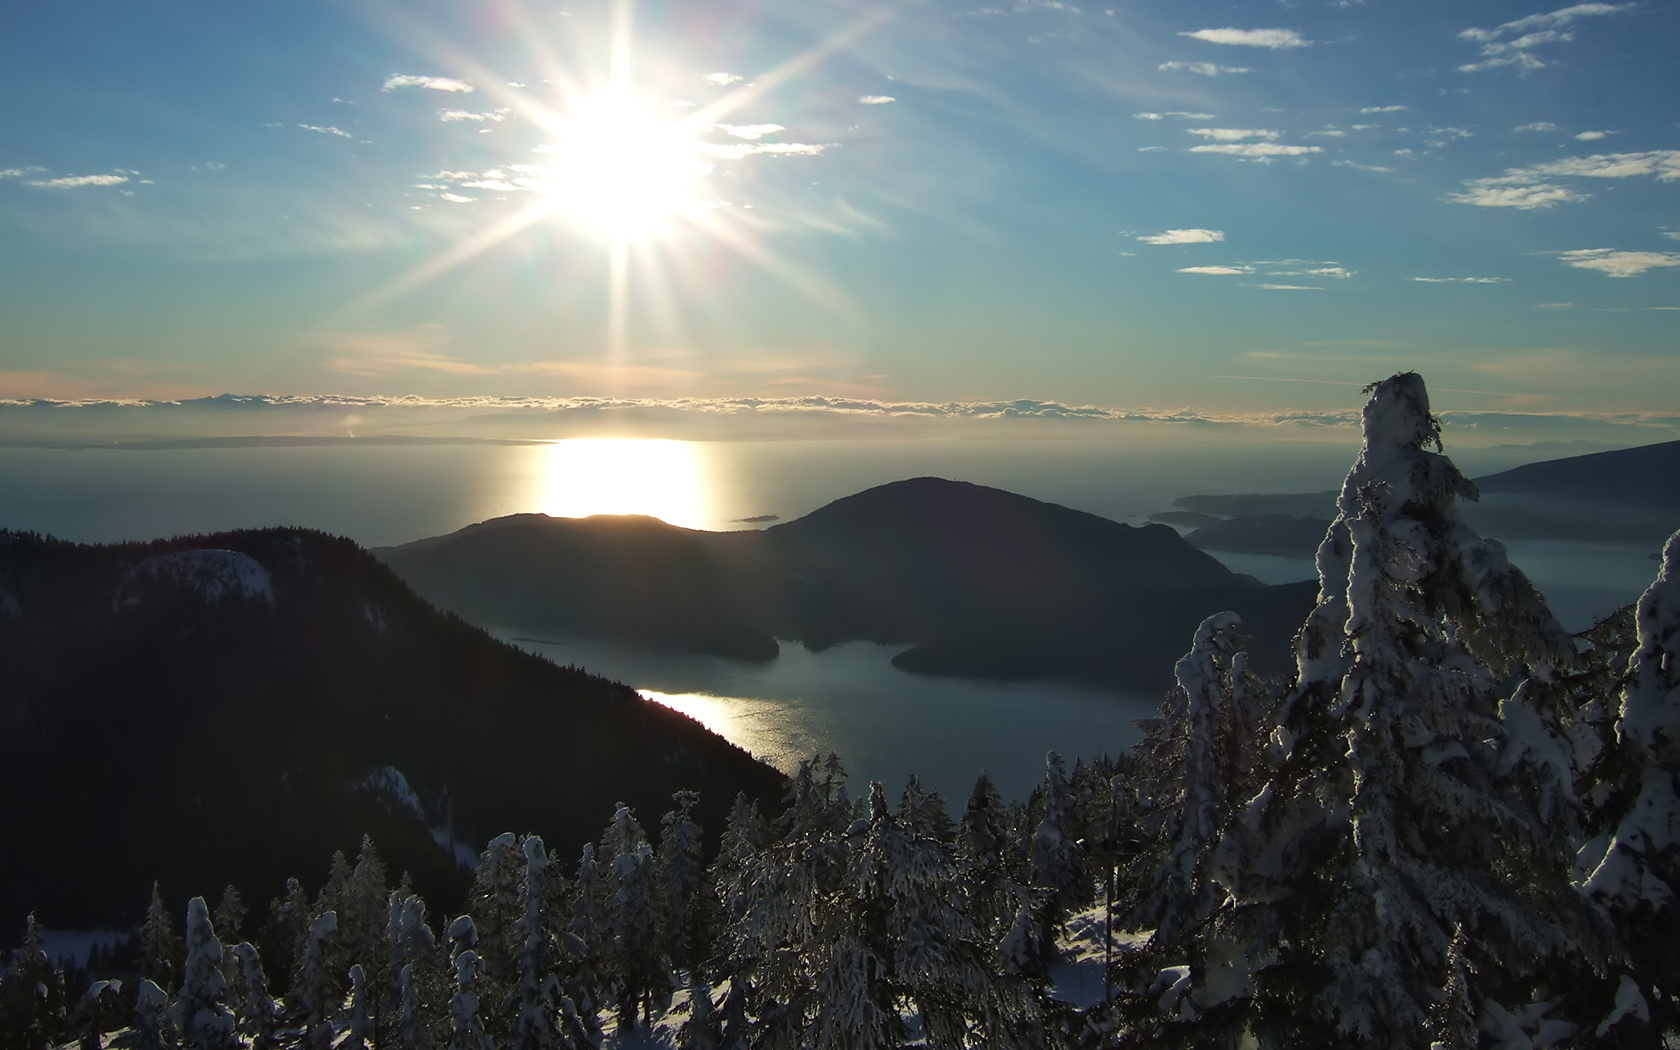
pixel 1232 134
pixel 1263 152
pixel 1276 39
pixel 722 79
pixel 1538 125
pixel 1382 109
pixel 876 100
pixel 453 115
pixel 1462 280
pixel 1286 287
pixel 749 131
pixel 319 130
pixel 71 182
pixel 1592 136
pixel 1206 69
pixel 1616 263
pixel 1359 167
pixel 735 151
pixel 1513 43
pixel 402 80
pixel 18 173
pixel 1340 273
pixel 1531 187
pixel 1190 236
pixel 1217 271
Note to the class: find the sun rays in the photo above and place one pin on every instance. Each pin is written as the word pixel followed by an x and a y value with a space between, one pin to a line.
pixel 621 168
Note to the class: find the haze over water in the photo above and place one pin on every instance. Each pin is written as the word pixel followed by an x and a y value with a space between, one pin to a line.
pixel 885 724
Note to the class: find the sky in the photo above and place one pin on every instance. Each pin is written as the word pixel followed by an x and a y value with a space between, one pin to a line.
pixel 1157 209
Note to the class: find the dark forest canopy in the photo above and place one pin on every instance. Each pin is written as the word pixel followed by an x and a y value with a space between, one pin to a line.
pixel 232 708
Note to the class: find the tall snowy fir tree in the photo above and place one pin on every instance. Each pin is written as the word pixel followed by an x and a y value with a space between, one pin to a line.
pixel 1385 827
pixel 1633 867
pixel 160 945
pixel 201 1014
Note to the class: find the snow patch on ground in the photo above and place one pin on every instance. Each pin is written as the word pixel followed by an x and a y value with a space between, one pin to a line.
pixel 1077 977
pixel 211 574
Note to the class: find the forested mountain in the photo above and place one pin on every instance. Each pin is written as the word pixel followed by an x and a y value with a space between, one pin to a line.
pixel 984 582
pixel 232 708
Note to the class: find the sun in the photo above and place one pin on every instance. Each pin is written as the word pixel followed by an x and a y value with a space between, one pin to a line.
pixel 619 171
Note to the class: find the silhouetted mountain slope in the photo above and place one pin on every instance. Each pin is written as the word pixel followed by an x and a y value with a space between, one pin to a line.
pixel 208 710
pixel 989 582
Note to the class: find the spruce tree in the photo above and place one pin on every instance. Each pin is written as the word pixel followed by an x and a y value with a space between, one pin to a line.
pixel 679 872
pixel 1386 827
pixel 160 945
pixel 1633 867
pixel 255 1012
pixel 202 1017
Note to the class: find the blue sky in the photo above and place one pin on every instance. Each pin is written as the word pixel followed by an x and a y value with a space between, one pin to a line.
pixel 1233 209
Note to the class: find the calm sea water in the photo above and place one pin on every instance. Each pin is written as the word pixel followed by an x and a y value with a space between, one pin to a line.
pixel 883 723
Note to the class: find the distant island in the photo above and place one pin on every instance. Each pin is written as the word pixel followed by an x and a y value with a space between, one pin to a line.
pixel 978 581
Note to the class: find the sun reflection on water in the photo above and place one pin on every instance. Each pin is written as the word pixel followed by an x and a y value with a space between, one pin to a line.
pixel 767 729
pixel 663 479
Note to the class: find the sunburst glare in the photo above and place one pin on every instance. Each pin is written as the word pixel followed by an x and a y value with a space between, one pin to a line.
pixel 619 171
pixel 661 479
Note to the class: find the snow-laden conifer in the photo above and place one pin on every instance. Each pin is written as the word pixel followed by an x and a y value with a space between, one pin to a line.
pixel 255 1011
pixel 494 904
pixel 1056 862
pixel 201 1014
pixel 32 1006
pixel 358 1025
pixel 160 945
pixel 414 976
pixel 536 996
pixel 466 1026
pixel 1386 827
pixel 154 1027
pixel 1203 764
pixel 1633 868
pixel 679 872
pixel 636 952
pixel 314 994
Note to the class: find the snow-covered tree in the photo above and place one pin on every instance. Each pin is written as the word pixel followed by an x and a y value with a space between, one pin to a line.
pixel 201 1014
pixel 1633 867
pixel 415 976
pixel 635 951
pixel 283 936
pixel 315 988
pixel 466 1026
pixel 1386 826
pixel 255 1012
pixel 32 1006
pixel 366 911
pixel 1203 761
pixel 1055 866
pixel 358 1026
pixel 679 872
pixel 494 904
pixel 153 1028
pixel 160 945
pixel 536 1006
